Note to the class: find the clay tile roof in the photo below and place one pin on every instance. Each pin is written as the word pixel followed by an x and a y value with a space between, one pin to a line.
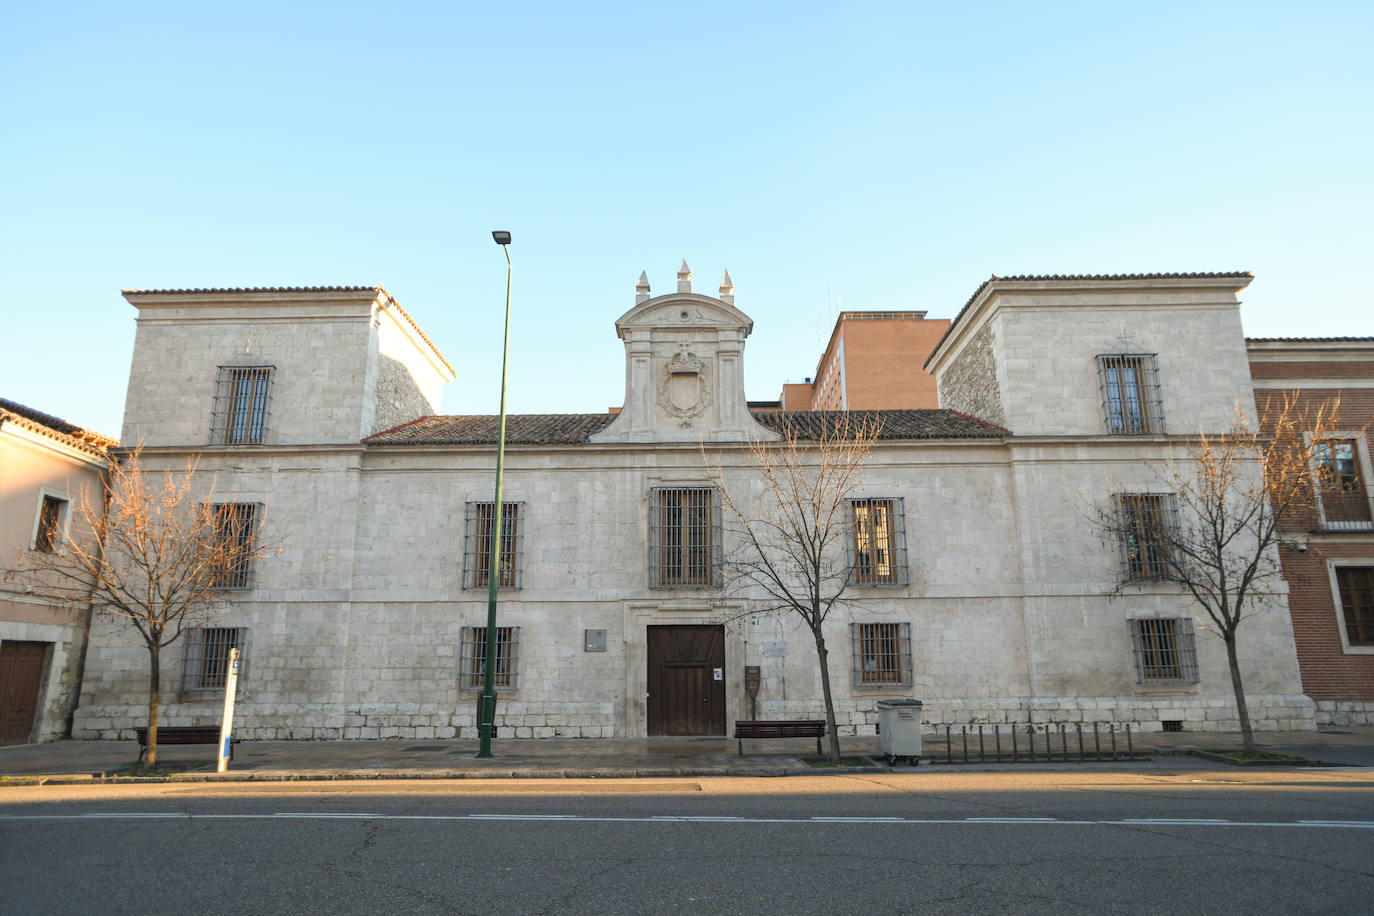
pixel 896 424
pixel 577 428
pixel 1042 278
pixel 69 433
pixel 209 290
pixel 1309 339
pixel 521 429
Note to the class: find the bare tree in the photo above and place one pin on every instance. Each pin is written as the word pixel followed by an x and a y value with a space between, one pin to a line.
pixel 155 552
pixel 1216 529
pixel 790 523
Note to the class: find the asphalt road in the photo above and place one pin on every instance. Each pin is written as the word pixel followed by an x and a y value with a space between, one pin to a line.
pixel 1099 842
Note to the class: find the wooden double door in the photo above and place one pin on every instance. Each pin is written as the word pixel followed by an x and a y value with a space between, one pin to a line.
pixel 686 680
pixel 21 677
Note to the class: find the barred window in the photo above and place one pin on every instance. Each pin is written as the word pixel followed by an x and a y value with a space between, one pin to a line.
pixel 1147 524
pixel 882 654
pixel 1344 502
pixel 1130 393
pixel 205 662
pixel 234 525
pixel 242 396
pixel 1356 587
pixel 472 669
pixel 877 542
pixel 1164 650
pixel 477 546
pixel 52 519
pixel 684 537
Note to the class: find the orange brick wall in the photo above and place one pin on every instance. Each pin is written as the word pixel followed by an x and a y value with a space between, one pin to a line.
pixel 1300 370
pixel 881 362
pixel 1328 672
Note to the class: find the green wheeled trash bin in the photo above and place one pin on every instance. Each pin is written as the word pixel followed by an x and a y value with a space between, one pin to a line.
pixel 899 725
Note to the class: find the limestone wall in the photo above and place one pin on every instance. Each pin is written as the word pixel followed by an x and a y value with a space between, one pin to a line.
pixel 355 628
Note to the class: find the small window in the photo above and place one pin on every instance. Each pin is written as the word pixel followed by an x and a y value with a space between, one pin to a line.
pixel 242 397
pixel 877 542
pixel 205 663
pixel 1340 486
pixel 235 526
pixel 1163 650
pixel 52 521
pixel 1130 393
pixel 1147 524
pixel 882 654
pixel 477 545
pixel 684 537
pixel 1355 585
pixel 472 664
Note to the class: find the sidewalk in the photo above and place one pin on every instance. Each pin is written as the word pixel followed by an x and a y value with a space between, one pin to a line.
pixel 83 761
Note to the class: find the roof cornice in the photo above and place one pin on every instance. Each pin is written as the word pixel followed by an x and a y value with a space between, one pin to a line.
pixel 1234 280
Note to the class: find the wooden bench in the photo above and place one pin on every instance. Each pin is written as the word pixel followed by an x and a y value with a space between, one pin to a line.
pixel 794 728
pixel 181 734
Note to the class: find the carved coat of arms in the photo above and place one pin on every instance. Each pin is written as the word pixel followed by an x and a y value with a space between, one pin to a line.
pixel 684 390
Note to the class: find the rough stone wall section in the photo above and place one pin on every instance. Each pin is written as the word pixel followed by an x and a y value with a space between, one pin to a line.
pixel 970 386
pixel 399 398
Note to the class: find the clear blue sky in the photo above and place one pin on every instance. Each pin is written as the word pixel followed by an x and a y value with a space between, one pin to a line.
pixel 857 156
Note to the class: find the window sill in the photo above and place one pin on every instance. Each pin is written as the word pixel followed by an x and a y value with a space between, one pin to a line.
pixel 1344 527
pixel 1160 689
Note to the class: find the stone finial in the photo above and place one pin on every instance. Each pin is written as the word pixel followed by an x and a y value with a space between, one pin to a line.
pixel 642 288
pixel 727 288
pixel 684 278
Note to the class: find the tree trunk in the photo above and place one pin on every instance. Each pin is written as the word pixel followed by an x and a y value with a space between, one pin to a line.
pixel 1247 736
pixel 830 728
pixel 154 685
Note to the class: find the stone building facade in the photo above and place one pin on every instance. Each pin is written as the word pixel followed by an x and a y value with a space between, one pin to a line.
pixel 979 584
pixel 48 466
pixel 1328 556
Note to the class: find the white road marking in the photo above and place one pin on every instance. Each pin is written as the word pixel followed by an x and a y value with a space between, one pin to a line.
pixel 705 819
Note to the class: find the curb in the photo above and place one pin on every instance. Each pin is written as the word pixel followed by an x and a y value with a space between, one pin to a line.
pixel 1221 758
pixel 102 779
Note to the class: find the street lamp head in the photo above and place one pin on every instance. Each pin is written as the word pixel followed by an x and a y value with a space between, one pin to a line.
pixel 502 237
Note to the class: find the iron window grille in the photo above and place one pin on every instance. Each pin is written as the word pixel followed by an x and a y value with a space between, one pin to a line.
pixel 205 663
pixel 1164 650
pixel 1131 400
pixel 882 654
pixel 51 515
pixel 243 395
pixel 1147 524
pixel 234 527
pixel 472 669
pixel 1344 502
pixel 1356 585
pixel 684 537
pixel 477 545
pixel 876 546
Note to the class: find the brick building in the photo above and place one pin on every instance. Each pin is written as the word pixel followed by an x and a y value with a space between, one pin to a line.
pixel 873 361
pixel 1328 558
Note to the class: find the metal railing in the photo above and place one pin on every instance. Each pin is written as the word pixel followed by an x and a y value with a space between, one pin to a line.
pixel 1036 743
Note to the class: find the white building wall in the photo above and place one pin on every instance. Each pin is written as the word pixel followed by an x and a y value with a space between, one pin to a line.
pixel 355 627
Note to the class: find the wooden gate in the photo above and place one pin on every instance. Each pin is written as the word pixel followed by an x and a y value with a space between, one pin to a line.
pixel 21 676
pixel 686 680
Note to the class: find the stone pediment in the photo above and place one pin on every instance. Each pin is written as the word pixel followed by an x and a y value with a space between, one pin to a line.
pixel 682 311
pixel 684 368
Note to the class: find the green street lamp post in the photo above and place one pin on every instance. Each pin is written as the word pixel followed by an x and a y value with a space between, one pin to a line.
pixel 488 715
